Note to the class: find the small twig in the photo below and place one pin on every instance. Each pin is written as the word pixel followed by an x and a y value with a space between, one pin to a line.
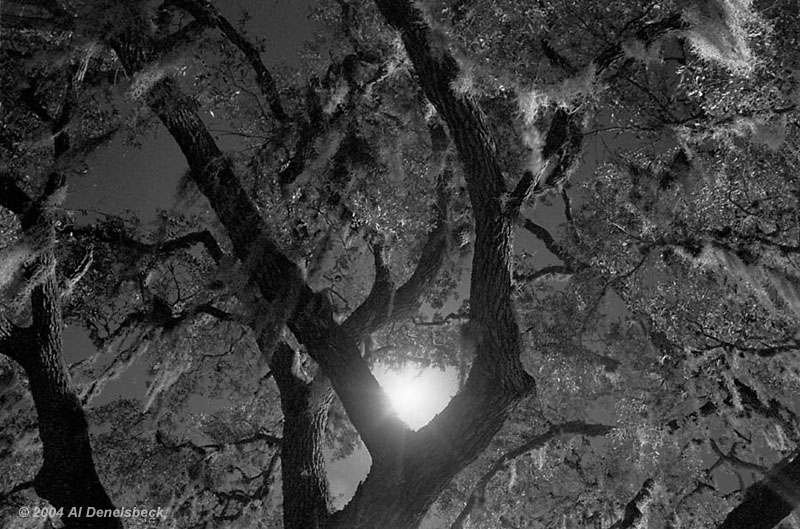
pixel 16 489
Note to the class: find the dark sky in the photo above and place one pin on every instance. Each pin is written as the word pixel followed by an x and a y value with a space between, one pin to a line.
pixel 143 179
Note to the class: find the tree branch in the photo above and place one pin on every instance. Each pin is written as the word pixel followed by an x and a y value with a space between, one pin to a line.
pixel 202 450
pixel 770 500
pixel 567 206
pixel 280 281
pixel 374 310
pixel 55 19
pixel 544 272
pixel 206 13
pixel 478 493
pixel 453 316
pixel 734 461
pixel 305 400
pixel 409 295
pixel 429 458
pixel 386 305
pixel 571 265
pixel 546 238
pixel 522 192
pixel 561 151
pixel 114 234
pixel 16 489
pixel 81 270
pixel 490 288
pixel 634 509
pixel 648 33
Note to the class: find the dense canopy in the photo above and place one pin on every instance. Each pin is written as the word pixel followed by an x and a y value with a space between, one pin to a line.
pixel 583 215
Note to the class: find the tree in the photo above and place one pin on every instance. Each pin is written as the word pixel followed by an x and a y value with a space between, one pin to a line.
pixel 31 328
pixel 674 262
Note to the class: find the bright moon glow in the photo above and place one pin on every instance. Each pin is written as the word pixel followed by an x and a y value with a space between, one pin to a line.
pixel 417 394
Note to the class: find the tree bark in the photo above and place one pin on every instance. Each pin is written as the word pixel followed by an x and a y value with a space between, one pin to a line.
pixel 67 478
pixel 770 500
pixel 634 509
pixel 409 470
pixel 305 403
pixel 403 483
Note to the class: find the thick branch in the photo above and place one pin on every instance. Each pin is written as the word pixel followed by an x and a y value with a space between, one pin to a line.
pixel 634 508
pixel 116 235
pixel 405 301
pixel 16 489
pixel 490 289
pixel 547 239
pixel 734 461
pixel 279 280
pixel 544 272
pixel 336 351
pixel 497 380
pixel 374 310
pixel 561 150
pixel 521 192
pixel 770 500
pixel 208 14
pixel 67 477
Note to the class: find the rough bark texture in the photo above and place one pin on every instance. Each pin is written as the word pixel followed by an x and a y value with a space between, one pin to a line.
pixel 207 14
pixel 634 509
pixel 307 314
pixel 67 477
pixel 403 483
pixel 409 469
pixel 305 402
pixel 770 500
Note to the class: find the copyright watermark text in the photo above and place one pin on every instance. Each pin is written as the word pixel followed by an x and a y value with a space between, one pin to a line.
pixel 91 512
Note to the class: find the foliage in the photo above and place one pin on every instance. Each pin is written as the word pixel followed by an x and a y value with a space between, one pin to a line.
pixel 670 316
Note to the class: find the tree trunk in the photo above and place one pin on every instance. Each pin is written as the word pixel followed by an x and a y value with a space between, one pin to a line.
pixel 410 469
pixel 770 500
pixel 306 499
pixel 67 478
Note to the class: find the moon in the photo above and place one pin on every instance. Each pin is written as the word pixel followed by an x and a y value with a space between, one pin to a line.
pixel 417 394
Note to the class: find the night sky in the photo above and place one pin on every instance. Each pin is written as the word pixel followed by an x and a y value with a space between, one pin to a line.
pixel 143 179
